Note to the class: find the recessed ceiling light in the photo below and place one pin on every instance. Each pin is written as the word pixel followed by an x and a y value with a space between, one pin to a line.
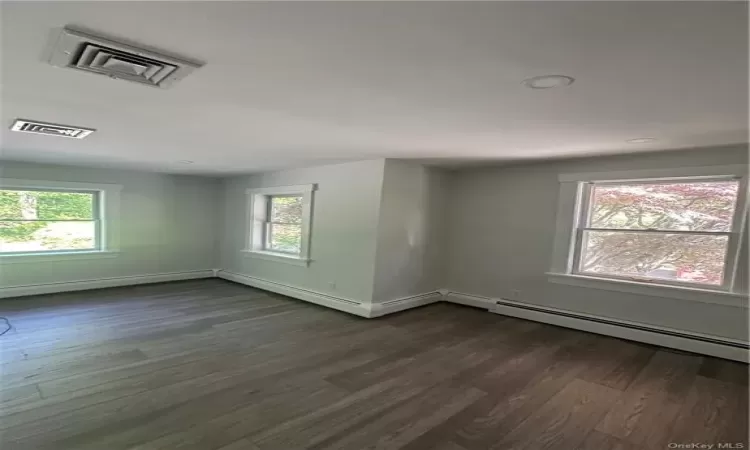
pixel 185 161
pixel 548 81
pixel 640 140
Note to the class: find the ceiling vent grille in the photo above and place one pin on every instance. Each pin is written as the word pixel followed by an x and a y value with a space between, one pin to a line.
pixel 50 129
pixel 83 51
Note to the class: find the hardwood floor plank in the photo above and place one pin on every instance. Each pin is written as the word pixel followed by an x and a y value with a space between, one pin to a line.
pixel 600 441
pixel 405 422
pixel 647 410
pixel 518 382
pixel 19 395
pixel 242 444
pixel 723 370
pixel 213 365
pixel 515 402
pixel 326 422
pixel 247 420
pixel 714 411
pixel 447 445
pixel 564 421
pixel 618 363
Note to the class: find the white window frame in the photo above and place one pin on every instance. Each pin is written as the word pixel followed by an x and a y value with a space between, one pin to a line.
pixel 257 218
pixel 571 222
pixel 108 210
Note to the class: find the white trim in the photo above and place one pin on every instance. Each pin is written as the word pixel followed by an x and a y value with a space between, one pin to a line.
pixel 653 290
pixel 649 337
pixel 282 190
pixel 57 185
pixel 255 221
pixel 609 329
pixel 401 304
pixel 539 314
pixel 469 300
pixel 342 304
pixel 277 257
pixel 679 172
pixel 23 258
pixel 98 283
pixel 571 217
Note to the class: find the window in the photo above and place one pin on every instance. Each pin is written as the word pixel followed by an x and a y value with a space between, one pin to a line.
pixel 665 231
pixel 48 221
pixel 57 220
pixel 279 220
pixel 651 232
pixel 283 230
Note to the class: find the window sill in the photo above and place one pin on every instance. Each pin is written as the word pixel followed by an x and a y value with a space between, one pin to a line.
pixel 278 257
pixel 654 290
pixel 20 258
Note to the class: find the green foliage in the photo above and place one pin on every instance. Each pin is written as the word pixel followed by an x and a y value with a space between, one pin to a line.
pixel 65 206
pixel 19 231
pixel 24 213
pixel 286 238
pixel 286 224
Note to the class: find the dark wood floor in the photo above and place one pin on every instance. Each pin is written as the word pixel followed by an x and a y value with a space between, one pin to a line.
pixel 208 364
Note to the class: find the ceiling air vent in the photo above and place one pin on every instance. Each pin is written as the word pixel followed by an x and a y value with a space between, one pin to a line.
pixel 50 129
pixel 77 49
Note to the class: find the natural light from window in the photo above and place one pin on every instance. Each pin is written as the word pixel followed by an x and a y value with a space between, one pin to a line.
pixel 283 232
pixel 33 221
pixel 673 232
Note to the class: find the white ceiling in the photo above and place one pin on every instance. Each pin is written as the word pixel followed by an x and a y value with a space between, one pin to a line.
pixel 299 83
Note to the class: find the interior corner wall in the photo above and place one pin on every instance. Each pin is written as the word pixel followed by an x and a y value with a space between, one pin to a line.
pixel 344 229
pixel 411 231
pixel 501 232
pixel 168 225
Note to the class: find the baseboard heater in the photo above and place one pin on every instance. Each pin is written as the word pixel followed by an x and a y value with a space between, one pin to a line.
pixel 632 326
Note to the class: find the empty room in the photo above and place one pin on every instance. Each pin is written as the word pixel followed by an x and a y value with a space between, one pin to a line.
pixel 418 225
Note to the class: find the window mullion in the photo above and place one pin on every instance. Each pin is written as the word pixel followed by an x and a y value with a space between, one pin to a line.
pixel 680 257
pixel 637 230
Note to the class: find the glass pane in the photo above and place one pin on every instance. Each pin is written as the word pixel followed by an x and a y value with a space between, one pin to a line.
pixel 284 238
pixel 677 257
pixel 286 209
pixel 46 236
pixel 41 205
pixel 707 206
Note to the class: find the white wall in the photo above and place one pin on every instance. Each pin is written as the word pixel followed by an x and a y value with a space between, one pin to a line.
pixel 410 232
pixel 344 229
pixel 168 224
pixel 381 230
pixel 502 227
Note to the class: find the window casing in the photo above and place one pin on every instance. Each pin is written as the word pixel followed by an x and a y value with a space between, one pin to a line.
pixel 569 264
pixel 44 221
pixel 57 220
pixel 279 223
pixel 670 236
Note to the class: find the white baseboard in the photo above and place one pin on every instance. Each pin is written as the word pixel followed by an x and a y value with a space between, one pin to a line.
pixel 82 285
pixel 651 334
pixel 413 301
pixel 469 300
pixel 340 303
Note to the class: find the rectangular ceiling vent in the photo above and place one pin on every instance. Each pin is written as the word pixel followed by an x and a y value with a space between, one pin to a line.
pixel 80 50
pixel 50 129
